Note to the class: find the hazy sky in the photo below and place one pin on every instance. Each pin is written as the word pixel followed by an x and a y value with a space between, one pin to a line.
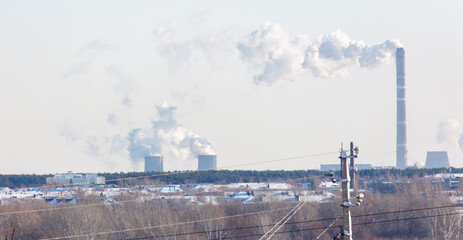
pixel 85 84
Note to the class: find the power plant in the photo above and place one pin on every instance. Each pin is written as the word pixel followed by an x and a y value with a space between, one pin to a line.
pixel 154 163
pixel 207 162
pixel 401 154
pixel 434 159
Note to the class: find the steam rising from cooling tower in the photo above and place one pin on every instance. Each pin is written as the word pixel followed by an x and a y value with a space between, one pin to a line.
pixel 168 137
pixel 401 154
pixel 451 132
pixel 279 57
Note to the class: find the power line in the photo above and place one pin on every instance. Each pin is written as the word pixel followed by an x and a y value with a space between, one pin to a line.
pixel 61 208
pixel 93 205
pixel 271 229
pixel 287 219
pixel 281 220
pixel 311 220
pixel 223 168
pixel 281 159
pixel 306 221
pixel 158 175
pixel 321 234
pixel 231 166
pixel 410 210
pixel 409 218
pixel 229 229
pixel 355 224
pixel 166 225
pixel 169 173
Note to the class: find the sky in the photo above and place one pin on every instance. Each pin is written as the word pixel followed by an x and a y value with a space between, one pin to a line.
pixel 93 86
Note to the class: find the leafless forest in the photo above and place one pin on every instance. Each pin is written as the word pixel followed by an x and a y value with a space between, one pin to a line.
pixel 417 210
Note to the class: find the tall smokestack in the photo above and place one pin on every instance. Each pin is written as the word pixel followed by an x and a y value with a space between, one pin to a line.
pixel 401 156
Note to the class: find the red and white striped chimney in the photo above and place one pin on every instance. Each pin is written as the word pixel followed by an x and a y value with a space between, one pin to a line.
pixel 401 154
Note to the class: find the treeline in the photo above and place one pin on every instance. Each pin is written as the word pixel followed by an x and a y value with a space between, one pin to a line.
pixel 218 177
pixel 23 180
pixel 408 173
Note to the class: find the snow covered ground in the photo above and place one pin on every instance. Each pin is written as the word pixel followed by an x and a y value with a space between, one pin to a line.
pixel 190 193
pixel 199 193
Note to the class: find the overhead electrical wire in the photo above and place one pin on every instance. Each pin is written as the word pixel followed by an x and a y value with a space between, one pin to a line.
pixel 287 219
pixel 271 229
pixel 167 225
pixel 231 166
pixel 157 175
pixel 256 226
pixel 220 168
pixel 283 159
pixel 329 226
pixel 299 230
pixel 84 205
pixel 354 224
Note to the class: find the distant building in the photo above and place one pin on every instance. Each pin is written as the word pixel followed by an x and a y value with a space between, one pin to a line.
pixel 437 159
pixel 337 167
pixel 154 163
pixel 75 179
pixel 207 162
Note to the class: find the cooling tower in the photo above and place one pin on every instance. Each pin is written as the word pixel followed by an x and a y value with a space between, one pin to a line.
pixel 207 162
pixel 154 163
pixel 401 154
pixel 438 159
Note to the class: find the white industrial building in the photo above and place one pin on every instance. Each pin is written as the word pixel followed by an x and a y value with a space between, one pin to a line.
pixel 75 179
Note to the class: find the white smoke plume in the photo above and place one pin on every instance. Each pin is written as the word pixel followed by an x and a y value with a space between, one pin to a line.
pixel 168 137
pixel 279 57
pixel 98 45
pixel 124 85
pixel 211 47
pixel 451 132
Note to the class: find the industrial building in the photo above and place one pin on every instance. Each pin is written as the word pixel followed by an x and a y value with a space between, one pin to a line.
pixel 207 162
pixel 154 163
pixel 75 179
pixel 437 159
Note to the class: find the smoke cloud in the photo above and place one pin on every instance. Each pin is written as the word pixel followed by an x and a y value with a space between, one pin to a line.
pixel 209 48
pixel 98 45
pixel 451 132
pixel 124 85
pixel 168 137
pixel 165 135
pixel 279 57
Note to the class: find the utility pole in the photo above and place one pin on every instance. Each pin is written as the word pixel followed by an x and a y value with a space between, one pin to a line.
pixel 353 170
pixel 346 231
